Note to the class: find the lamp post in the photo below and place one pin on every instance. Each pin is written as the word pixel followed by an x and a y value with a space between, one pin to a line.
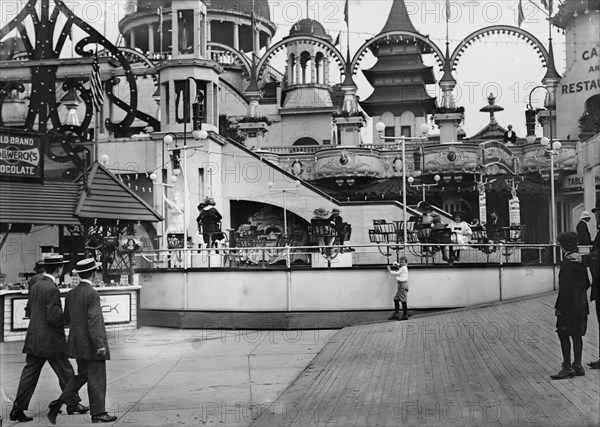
pixel 551 148
pixel 436 178
pixel 380 128
pixel 197 134
pixel 283 191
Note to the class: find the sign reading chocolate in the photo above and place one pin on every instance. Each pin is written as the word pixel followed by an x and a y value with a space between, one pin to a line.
pixel 496 153
pixel 21 154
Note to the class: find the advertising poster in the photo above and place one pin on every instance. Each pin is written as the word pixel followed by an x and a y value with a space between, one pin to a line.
pixel 21 155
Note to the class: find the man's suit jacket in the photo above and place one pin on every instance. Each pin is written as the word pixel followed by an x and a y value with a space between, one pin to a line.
pixel 30 284
pixel 45 333
pixel 87 333
pixel 583 234
pixel 592 260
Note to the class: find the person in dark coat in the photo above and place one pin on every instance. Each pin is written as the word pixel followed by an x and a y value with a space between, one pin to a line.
pixel 571 308
pixel 338 225
pixel 45 340
pixel 209 220
pixel 509 137
pixel 592 261
pixel 87 344
pixel 39 274
pixel 582 229
pixel 494 227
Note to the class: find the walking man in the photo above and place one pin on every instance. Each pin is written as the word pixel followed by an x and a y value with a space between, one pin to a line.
pixel 45 341
pixel 88 344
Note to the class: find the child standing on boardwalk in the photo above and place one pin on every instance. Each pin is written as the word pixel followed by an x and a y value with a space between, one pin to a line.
pixel 571 308
pixel 400 272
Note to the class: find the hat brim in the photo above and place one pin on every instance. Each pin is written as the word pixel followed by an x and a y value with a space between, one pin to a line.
pixel 84 270
pixel 63 262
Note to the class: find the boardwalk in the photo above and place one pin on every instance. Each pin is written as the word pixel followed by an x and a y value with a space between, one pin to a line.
pixel 472 367
pixel 484 366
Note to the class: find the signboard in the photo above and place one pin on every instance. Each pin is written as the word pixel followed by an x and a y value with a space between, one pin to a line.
pixel 21 155
pixel 572 183
pixel 496 153
pixel 116 308
pixel 514 211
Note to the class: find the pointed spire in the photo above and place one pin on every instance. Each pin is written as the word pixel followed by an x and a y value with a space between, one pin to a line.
pixel 447 77
pixel 551 72
pixel 398 19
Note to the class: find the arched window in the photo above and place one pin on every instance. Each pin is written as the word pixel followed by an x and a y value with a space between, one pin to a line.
pixel 320 71
pixel 305 64
pixel 306 141
pixel 590 120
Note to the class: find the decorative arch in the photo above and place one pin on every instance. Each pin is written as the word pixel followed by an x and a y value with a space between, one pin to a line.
pixel 241 58
pixel 324 44
pixel 499 29
pixel 416 37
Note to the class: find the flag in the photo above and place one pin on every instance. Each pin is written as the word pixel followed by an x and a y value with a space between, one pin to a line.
pixel 448 14
pixel 548 5
pixel 521 17
pixel 346 13
pixel 337 39
pixel 96 85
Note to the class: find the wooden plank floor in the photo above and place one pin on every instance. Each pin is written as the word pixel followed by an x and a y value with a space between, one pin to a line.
pixel 472 367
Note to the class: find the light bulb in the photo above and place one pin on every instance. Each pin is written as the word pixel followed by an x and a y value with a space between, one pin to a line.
pixel 411 180
pixel 176 172
pixel 380 127
pixel 153 176
pixel 104 159
pixel 168 139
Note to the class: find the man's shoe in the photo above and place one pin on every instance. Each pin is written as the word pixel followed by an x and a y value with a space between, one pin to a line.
pixel 595 365
pixel 77 409
pixel 405 317
pixel 566 372
pixel 394 317
pixel 103 418
pixel 18 415
pixel 579 371
pixel 54 410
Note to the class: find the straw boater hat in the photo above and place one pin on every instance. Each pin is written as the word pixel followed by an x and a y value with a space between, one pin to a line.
pixel 585 215
pixel 321 212
pixel 85 265
pixel 335 211
pixel 54 259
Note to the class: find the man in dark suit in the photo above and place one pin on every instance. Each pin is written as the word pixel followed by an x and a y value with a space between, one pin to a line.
pixel 39 274
pixel 509 136
pixel 88 344
pixel 45 340
pixel 592 260
pixel 583 234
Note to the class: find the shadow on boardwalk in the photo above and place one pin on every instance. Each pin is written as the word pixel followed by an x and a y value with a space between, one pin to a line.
pixel 483 366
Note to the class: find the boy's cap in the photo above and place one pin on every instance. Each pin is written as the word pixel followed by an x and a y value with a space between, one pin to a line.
pixel 568 239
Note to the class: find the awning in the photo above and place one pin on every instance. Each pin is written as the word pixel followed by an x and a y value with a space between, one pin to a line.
pixel 53 203
pixel 110 199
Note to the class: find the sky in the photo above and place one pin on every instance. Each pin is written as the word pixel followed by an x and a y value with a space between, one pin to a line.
pixel 505 66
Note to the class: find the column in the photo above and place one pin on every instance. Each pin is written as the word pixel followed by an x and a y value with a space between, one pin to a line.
pixel 208 30
pixel 132 39
pixel 298 70
pixel 325 70
pixel 313 70
pixel 209 104
pixel 257 41
pixel 268 43
pixel 290 71
pixel 151 39
pixel 236 36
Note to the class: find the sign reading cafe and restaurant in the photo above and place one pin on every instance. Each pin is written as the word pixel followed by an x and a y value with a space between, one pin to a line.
pixel 21 155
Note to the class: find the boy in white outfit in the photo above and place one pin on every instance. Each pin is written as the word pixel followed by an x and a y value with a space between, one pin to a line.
pixel 400 271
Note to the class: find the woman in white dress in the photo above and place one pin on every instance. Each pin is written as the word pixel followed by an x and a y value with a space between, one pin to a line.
pixel 461 233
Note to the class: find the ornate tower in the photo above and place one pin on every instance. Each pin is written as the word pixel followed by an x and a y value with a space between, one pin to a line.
pixel 399 99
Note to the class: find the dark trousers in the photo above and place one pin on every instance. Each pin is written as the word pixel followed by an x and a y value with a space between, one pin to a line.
pixel 598 316
pixel 31 374
pixel 92 372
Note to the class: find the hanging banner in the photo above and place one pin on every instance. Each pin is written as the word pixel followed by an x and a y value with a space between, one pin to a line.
pixel 482 203
pixel 21 155
pixel 514 211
